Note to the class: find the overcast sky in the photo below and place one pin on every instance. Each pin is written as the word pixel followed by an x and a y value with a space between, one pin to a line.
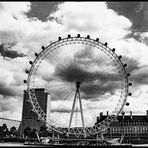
pixel 26 26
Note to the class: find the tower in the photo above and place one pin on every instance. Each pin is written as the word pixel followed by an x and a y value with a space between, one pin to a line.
pixel 30 118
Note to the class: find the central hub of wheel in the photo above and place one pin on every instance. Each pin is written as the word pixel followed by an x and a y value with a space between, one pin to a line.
pixel 78 84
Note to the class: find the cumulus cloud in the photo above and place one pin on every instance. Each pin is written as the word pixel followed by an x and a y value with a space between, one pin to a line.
pixel 10 54
pixel 10 107
pixel 89 18
pixel 129 10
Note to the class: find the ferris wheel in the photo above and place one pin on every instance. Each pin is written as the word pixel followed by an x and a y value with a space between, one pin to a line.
pixel 83 77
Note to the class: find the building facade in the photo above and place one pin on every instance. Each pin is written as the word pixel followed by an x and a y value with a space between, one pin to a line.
pixel 30 118
pixel 133 127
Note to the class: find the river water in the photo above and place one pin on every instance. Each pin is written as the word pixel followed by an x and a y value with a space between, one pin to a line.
pixel 15 144
pixel 22 144
pixel 11 144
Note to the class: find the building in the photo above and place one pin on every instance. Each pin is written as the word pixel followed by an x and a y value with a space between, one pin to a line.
pixel 30 118
pixel 133 127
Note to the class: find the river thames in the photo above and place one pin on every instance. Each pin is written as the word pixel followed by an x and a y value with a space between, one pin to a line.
pixel 22 145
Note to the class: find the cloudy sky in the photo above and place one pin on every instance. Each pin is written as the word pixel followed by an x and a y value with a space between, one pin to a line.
pixel 26 26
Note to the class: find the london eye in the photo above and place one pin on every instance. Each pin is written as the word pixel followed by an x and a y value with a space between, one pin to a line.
pixel 82 77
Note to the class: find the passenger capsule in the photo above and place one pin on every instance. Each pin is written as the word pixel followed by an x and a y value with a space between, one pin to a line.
pixel 27 71
pixel 113 49
pixel 106 44
pixel 97 39
pixel 88 36
pixel 43 48
pixel 36 54
pixel 78 35
pixel 129 94
pixel 59 38
pixel 128 74
pixel 30 62
pixel 127 103
pixel 125 65
pixel 120 57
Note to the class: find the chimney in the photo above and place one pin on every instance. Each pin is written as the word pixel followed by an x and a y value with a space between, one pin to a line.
pixel 107 113
pixel 122 116
pixel 101 115
pixel 147 114
pixel 131 115
pixel 98 119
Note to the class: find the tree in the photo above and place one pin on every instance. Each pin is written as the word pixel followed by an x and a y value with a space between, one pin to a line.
pixel 43 131
pixel 1 131
pixel 4 130
pixel 13 131
pixel 27 132
pixel 17 133
pixel 33 133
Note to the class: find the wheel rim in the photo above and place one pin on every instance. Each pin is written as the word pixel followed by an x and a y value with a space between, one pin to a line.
pixel 92 43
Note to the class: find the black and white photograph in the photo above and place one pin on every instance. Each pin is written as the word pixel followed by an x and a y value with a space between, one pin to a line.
pixel 73 73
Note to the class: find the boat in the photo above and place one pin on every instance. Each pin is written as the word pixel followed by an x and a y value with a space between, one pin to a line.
pixel 118 141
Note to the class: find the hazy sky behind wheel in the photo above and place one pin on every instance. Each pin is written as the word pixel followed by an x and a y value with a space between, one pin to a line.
pixel 26 26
